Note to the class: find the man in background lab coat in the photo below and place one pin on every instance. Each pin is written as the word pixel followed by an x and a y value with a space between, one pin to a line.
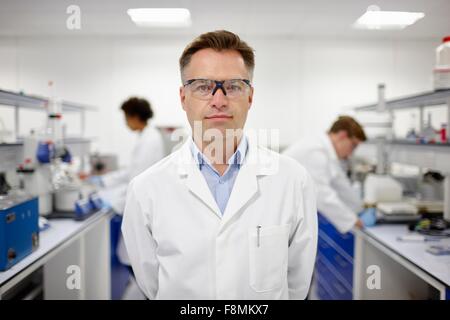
pixel 337 200
pixel 221 218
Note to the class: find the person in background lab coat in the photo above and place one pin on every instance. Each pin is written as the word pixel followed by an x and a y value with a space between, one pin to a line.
pixel 148 149
pixel 235 221
pixel 337 200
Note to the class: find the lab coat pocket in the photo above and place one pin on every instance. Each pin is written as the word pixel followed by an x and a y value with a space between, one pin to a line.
pixel 268 256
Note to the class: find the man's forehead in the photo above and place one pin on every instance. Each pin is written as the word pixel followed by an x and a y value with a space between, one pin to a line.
pixel 210 61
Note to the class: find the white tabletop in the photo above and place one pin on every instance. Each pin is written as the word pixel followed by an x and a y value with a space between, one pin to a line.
pixel 60 231
pixel 415 252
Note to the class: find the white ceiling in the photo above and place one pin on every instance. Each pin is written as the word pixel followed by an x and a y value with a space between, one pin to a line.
pixel 250 17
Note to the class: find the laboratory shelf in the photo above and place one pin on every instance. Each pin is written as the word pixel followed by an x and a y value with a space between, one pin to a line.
pixel 404 142
pixel 73 106
pixel 432 156
pixel 430 98
pixel 425 156
pixel 415 144
pixel 14 99
pixel 8 98
pixel 12 153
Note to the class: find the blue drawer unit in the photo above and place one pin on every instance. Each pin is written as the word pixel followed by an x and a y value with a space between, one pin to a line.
pixel 334 265
pixel 19 229
pixel 344 240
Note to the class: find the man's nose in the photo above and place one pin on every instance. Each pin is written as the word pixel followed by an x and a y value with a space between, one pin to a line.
pixel 219 86
pixel 219 99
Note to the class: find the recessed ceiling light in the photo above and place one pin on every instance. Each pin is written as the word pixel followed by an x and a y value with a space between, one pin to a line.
pixel 376 19
pixel 160 17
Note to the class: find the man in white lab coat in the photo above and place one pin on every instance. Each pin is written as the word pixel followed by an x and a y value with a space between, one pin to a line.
pixel 221 218
pixel 337 200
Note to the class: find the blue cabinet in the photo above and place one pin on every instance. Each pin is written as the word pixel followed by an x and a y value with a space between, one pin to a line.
pixel 19 229
pixel 334 264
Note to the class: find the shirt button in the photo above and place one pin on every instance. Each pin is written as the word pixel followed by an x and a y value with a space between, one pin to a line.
pixel 221 181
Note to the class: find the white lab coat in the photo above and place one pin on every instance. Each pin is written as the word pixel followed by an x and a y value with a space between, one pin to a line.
pixel 181 247
pixel 337 200
pixel 148 149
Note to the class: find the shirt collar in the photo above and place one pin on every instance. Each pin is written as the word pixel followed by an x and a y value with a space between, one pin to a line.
pixel 237 158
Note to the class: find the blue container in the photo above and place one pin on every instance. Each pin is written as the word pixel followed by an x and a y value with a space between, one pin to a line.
pixel 19 229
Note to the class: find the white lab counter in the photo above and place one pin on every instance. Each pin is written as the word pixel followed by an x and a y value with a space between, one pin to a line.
pixel 407 271
pixel 83 244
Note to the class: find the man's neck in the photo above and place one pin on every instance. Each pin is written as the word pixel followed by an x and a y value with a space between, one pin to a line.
pixel 219 152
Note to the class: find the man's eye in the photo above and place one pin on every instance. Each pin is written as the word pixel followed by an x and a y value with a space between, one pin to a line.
pixel 236 88
pixel 235 85
pixel 203 87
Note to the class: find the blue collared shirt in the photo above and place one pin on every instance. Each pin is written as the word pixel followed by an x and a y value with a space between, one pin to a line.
pixel 221 186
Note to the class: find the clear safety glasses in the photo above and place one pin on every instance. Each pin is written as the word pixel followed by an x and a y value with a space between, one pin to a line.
pixel 205 88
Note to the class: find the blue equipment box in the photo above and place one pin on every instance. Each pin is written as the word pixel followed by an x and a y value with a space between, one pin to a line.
pixel 19 228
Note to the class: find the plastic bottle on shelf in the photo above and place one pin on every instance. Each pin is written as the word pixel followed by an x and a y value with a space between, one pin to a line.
pixel 428 134
pixel 441 71
pixel 412 135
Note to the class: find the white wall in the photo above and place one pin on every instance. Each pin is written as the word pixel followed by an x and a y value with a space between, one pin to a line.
pixel 300 84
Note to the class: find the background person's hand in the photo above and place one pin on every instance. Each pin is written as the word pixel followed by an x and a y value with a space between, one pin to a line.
pixel 359 224
pixel 368 217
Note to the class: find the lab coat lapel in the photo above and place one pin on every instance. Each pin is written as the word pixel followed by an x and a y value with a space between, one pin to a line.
pixel 257 163
pixel 188 170
pixel 244 189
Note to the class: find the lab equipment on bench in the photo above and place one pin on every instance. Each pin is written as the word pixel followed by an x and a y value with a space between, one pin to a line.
pixel 413 237
pixel 439 250
pixel 4 186
pixel 381 188
pixel 397 208
pixel 19 228
pixel 103 163
pixel 77 201
pixel 431 186
pixel 427 206
pixel 44 153
pixel 398 212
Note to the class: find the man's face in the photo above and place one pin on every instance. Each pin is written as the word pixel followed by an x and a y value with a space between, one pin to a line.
pixel 219 111
pixel 345 145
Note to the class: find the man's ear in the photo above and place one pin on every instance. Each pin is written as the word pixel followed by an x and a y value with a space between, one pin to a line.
pixel 183 97
pixel 250 97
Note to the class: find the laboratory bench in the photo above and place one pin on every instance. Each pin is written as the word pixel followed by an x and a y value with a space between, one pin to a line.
pixel 68 248
pixel 407 270
pixel 347 262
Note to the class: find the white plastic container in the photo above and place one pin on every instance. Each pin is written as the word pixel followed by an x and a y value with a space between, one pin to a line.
pixel 381 188
pixel 441 71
